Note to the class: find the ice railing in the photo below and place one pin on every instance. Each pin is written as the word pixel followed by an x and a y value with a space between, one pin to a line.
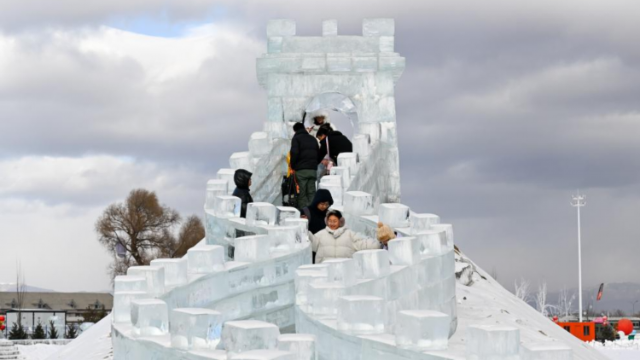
pixel 175 308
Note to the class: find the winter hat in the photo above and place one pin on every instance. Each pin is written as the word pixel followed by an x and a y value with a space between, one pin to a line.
pixel 336 213
pixel 385 233
pixel 241 178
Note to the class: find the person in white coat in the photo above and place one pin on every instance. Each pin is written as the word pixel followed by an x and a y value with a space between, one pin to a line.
pixel 337 241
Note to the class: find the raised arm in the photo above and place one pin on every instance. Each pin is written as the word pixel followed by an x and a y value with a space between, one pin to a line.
pixel 363 243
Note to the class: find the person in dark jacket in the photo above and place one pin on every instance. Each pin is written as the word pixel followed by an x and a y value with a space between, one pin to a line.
pixel 242 178
pixel 304 163
pixel 337 144
pixel 316 212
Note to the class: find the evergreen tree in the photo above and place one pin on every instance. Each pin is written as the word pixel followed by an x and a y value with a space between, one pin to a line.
pixel 608 333
pixel 38 333
pixel 17 332
pixel 53 333
pixel 72 333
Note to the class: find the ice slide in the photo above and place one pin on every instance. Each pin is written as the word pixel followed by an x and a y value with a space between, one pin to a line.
pixel 241 297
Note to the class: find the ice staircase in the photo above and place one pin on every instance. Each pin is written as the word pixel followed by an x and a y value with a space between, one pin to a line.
pixel 239 292
pixel 8 351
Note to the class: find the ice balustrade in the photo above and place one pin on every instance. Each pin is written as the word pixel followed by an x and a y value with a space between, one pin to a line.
pixel 382 304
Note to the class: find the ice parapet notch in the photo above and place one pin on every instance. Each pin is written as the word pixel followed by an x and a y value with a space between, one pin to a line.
pixel 252 248
pixel 488 342
pixel 261 213
pixel 154 276
pixel 194 328
pixel 243 336
pixel 422 330
pixel 361 315
pixel 302 346
pixel 404 251
pixel 227 206
pixel 122 304
pixel 394 215
pixel 130 283
pixel 358 203
pixel 372 264
pixel 175 270
pixel 205 259
pixel 149 317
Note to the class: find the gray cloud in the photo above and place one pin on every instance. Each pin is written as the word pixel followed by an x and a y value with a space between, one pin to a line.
pixel 505 108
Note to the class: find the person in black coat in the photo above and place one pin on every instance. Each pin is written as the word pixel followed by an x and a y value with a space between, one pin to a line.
pixel 304 163
pixel 316 212
pixel 242 178
pixel 338 144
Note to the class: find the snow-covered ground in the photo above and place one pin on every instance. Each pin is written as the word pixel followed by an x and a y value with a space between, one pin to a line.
pixel 620 349
pixel 38 351
pixel 93 344
pixel 621 354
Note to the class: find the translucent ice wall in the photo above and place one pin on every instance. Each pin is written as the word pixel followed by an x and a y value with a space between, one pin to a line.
pixel 355 75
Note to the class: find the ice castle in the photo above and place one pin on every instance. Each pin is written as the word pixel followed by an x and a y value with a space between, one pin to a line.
pixel 259 297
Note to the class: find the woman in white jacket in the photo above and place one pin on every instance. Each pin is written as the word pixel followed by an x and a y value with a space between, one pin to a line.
pixel 337 241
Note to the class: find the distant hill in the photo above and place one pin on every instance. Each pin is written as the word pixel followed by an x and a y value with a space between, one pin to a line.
pixel 11 287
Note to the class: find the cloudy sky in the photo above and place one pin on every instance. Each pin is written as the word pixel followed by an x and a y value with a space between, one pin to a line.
pixel 504 110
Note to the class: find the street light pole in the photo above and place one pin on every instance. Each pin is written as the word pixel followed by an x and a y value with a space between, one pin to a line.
pixel 579 201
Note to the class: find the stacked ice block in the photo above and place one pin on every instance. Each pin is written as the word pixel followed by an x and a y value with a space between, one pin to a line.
pixel 149 317
pixel 489 342
pixel 193 328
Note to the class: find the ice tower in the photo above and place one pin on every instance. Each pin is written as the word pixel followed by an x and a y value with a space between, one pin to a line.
pixel 355 75
pixel 249 290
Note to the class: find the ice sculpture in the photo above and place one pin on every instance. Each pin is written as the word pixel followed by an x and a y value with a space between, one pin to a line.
pixel 403 298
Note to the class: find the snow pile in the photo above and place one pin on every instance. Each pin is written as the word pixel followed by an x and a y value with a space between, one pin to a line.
pixel 485 302
pixel 38 351
pixel 93 344
pixel 618 344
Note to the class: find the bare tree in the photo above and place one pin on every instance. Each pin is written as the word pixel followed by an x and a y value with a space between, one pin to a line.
pixel 141 229
pixel 191 232
pixel 522 289
pixel 541 300
pixel 21 289
pixel 565 302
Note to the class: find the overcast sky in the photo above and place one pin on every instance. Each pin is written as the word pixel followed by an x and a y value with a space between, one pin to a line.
pixel 505 108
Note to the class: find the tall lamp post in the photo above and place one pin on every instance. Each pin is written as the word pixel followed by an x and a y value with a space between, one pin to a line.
pixel 579 201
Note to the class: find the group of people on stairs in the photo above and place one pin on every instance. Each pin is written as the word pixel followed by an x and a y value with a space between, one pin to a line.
pixel 314 150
